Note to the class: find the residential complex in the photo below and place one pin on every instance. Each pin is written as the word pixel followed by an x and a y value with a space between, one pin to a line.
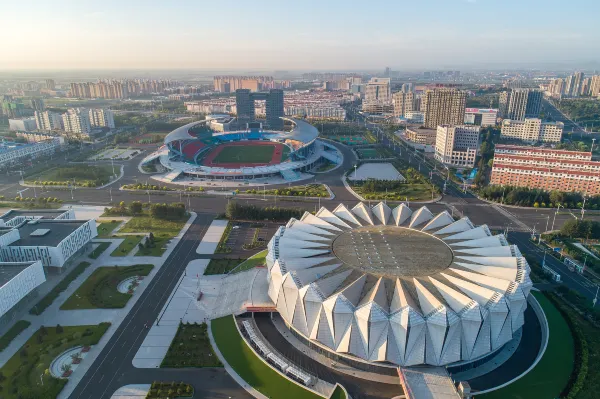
pixel 575 85
pixel 48 120
pixel 22 124
pixel 481 116
pixel 77 120
pixel 102 117
pixel 404 103
pixel 15 153
pixel 229 84
pixel 518 104
pixel 546 169
pixel 457 145
pixel 532 130
pixel 443 106
pixel 114 89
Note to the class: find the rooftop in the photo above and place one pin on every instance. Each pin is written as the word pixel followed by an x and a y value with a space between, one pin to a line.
pixel 9 270
pixel 43 213
pixel 58 231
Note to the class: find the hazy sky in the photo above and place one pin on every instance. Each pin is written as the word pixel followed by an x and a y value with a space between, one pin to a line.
pixel 286 34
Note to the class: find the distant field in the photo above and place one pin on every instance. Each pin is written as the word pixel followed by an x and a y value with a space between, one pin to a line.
pixel 245 154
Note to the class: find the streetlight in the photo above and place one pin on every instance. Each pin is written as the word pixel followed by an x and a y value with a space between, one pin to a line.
pixel 110 192
pixel 554 219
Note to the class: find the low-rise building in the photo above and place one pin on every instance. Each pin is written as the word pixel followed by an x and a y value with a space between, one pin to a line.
pixel 15 153
pixel 457 145
pixel 532 130
pixel 481 116
pixel 18 280
pixel 415 116
pixel 421 135
pixel 546 169
pixel 22 125
pixel 220 123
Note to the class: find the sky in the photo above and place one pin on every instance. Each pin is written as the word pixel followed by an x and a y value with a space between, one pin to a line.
pixel 296 35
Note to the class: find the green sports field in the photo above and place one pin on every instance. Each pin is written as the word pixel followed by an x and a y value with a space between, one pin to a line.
pixel 245 154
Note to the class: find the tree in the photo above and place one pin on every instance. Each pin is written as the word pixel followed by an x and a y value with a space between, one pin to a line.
pixel 135 207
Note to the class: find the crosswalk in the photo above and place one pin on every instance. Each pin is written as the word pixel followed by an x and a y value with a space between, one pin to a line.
pixel 520 225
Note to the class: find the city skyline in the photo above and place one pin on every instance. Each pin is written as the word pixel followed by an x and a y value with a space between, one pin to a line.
pixel 401 35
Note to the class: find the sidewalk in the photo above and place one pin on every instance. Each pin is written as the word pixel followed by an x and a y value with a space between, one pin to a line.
pixel 211 239
pixel 132 391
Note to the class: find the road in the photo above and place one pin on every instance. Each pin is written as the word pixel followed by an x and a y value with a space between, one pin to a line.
pixel 113 367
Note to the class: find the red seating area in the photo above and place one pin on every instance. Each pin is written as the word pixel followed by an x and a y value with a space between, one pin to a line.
pixel 191 149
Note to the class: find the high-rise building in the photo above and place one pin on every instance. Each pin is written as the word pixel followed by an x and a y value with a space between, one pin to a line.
pixel 532 130
pixel 408 88
pixel 557 88
pixel 443 106
pixel 244 100
pixel 595 86
pixel 77 120
pixel 377 91
pixel 403 103
pixel 22 124
pixel 50 84
pixel 37 104
pixel 102 118
pixel 229 84
pixel 47 120
pixel 12 108
pixel 573 84
pixel 457 145
pixel 585 87
pixel 519 104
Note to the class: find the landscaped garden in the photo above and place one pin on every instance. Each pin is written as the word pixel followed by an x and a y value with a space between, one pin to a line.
pixel 221 266
pixel 248 366
pixel 162 390
pixel 255 260
pixel 550 375
pixel 307 190
pixel 26 374
pixel 106 228
pixel 100 288
pixel 222 247
pixel 12 333
pixel 191 348
pixel 95 254
pixel 58 288
pixel 88 176
pixel 127 245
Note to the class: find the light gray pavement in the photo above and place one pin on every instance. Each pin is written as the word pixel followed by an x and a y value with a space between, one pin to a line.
pixel 132 391
pixel 211 239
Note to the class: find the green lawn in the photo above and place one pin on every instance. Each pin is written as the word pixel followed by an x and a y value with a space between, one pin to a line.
pixel 23 371
pixel 99 291
pixel 258 259
pixel 58 288
pixel 550 376
pixel 249 154
pixel 163 230
pixel 252 369
pixel 99 249
pixel 191 348
pixel 221 266
pixel 127 245
pixel 12 333
pixel 105 228
pixel 82 175
pixel 414 192
pixel 374 152
pixel 338 393
pixel 307 190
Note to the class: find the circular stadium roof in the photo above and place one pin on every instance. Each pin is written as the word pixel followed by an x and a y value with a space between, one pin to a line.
pixel 397 285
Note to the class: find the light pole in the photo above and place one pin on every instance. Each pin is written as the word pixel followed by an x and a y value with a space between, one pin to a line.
pixel 112 161
pixel 355 171
pixel 110 192
pixel 554 219
pixel 148 192
pixel 583 207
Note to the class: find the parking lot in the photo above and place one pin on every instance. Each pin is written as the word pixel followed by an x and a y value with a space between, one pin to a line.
pixel 245 234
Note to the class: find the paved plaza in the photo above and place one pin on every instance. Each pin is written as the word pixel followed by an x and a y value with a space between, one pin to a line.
pixel 378 171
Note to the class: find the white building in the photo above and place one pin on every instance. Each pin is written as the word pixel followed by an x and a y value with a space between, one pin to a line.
pixel 53 242
pixel 22 125
pixel 415 116
pixel 532 130
pixel 100 117
pixel 377 92
pixel 17 281
pixel 425 290
pixel 481 116
pixel 334 113
pixel 48 120
pixel 220 123
pixel 12 153
pixel 77 120
pixel 457 145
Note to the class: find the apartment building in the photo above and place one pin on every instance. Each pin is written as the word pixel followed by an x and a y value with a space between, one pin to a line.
pixel 532 130
pixel 403 103
pixel 48 120
pixel 443 106
pixel 457 145
pixel 77 120
pixel 546 169
pixel 102 118
pixel 519 104
pixel 229 84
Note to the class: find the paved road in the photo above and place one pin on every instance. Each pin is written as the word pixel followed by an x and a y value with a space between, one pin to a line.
pixel 113 368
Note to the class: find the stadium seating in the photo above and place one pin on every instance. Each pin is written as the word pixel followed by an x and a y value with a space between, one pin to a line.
pixel 190 149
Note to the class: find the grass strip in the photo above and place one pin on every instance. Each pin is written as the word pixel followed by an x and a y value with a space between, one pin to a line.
pixel 248 366
pixel 258 259
pixel 60 287
pixel 161 390
pixel 127 245
pixel 106 228
pixel 12 333
pixel 99 250
pixel 191 348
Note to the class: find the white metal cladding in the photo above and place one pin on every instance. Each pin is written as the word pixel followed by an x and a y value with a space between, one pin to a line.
pixel 460 313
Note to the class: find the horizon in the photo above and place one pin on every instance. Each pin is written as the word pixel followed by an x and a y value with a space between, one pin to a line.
pixel 458 34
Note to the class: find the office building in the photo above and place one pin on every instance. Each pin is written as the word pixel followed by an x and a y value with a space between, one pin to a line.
pixel 274 109
pixel 77 121
pixel 443 106
pixel 100 117
pixel 377 95
pixel 403 103
pixel 421 135
pixel 519 104
pixel 22 125
pixel 457 145
pixel 48 120
pixel 230 84
pixel 532 130
pixel 546 169
pixel 481 116
pixel 12 154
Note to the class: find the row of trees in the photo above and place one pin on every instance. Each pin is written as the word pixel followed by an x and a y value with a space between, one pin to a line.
pixel 537 198
pixel 235 210
pixel 168 211
pixel 587 229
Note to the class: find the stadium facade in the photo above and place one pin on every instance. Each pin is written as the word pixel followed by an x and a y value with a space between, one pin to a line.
pixel 397 286
pixel 185 147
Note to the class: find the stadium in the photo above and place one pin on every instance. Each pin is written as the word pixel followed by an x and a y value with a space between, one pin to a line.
pixel 396 286
pixel 196 150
